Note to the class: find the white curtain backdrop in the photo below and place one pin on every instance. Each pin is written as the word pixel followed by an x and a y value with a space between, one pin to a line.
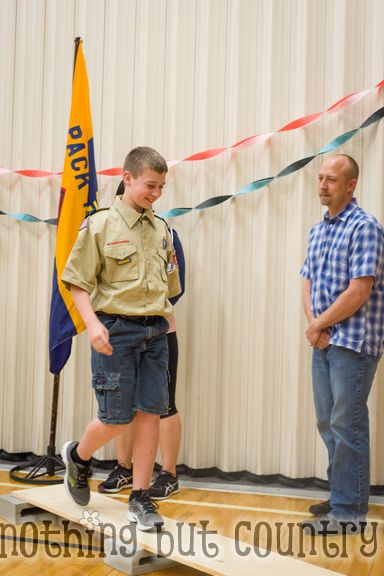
pixel 184 76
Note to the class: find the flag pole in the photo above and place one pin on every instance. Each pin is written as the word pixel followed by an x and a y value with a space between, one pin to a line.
pixel 52 459
pixel 50 462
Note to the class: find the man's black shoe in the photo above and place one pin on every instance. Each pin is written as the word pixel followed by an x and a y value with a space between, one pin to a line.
pixel 328 526
pixel 320 509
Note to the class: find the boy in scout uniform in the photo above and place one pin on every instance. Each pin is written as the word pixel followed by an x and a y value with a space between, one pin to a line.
pixel 119 275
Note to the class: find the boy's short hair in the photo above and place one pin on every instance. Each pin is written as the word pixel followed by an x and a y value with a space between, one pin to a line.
pixel 120 189
pixel 144 157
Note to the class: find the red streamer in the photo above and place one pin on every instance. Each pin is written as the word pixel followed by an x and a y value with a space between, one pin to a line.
pixel 211 153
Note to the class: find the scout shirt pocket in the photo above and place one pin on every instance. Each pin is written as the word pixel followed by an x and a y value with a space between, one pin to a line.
pixel 121 262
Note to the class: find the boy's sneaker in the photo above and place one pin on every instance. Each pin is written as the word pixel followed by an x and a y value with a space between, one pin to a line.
pixel 164 486
pixel 118 479
pixel 142 511
pixel 76 476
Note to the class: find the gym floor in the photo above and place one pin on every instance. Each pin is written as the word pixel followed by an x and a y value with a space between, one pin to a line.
pixel 258 518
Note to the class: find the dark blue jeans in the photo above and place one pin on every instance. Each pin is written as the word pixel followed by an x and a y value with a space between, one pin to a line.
pixel 342 380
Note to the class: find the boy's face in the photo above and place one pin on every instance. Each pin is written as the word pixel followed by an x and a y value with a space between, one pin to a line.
pixel 141 192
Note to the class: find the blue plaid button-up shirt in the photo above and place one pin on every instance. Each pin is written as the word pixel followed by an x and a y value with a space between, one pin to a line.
pixel 349 246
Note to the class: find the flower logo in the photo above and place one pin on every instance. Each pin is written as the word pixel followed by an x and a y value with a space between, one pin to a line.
pixel 90 519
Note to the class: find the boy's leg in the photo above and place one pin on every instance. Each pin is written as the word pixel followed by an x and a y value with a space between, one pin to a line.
pixel 77 457
pixel 121 476
pixel 151 400
pixel 96 435
pixel 141 509
pixel 170 439
pixel 145 442
pixel 170 423
pixel 166 482
pixel 124 446
pixel 113 380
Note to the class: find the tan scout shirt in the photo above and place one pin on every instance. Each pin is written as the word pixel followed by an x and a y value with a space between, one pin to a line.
pixel 120 258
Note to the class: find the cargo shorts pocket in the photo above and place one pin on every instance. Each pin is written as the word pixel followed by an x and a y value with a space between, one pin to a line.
pixel 108 395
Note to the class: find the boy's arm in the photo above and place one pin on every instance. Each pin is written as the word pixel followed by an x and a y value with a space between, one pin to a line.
pixel 174 285
pixel 178 248
pixel 97 332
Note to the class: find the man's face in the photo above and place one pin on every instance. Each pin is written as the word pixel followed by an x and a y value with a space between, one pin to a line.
pixel 141 192
pixel 336 184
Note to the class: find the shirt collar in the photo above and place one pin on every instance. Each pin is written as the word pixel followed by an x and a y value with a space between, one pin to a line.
pixel 345 213
pixel 130 215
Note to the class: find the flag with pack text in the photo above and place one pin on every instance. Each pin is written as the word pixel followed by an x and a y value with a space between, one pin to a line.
pixel 78 198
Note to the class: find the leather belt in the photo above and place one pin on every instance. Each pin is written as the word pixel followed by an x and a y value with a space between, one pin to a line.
pixel 147 320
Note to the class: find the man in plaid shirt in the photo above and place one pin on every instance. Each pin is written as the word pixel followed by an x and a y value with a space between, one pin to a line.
pixel 344 304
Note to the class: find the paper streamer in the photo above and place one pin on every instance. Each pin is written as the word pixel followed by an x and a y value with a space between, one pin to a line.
pixel 297 165
pixel 23 217
pixel 251 187
pixel 344 102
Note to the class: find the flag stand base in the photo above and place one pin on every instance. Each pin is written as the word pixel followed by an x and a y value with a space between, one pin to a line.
pixel 50 462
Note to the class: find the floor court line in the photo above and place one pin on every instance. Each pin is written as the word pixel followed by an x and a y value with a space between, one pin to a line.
pixel 238 507
pixel 279 511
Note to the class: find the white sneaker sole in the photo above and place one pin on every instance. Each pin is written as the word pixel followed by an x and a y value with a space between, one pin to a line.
pixel 65 460
pixel 114 490
pixel 165 497
pixel 131 517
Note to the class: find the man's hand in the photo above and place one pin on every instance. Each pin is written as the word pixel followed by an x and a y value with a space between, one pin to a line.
pixel 317 337
pixel 323 341
pixel 99 337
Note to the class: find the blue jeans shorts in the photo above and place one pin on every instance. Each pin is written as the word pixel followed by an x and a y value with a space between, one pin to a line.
pixel 135 376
